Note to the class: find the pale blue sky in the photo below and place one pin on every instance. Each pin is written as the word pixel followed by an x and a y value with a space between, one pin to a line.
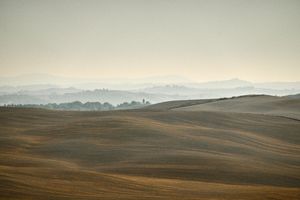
pixel 200 40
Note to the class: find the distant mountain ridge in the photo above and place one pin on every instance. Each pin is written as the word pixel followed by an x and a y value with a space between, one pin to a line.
pixel 135 83
pixel 102 95
pixel 46 90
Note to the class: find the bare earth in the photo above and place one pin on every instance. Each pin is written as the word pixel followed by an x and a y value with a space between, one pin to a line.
pixel 148 154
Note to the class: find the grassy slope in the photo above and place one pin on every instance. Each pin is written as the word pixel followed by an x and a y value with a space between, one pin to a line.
pixel 271 105
pixel 144 154
pixel 168 105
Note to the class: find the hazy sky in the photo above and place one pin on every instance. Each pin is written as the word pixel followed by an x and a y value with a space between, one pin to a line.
pixel 201 40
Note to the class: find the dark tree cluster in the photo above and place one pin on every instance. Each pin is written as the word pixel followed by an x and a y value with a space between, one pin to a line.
pixel 88 106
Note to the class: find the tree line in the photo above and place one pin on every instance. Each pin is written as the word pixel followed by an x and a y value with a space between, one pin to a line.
pixel 88 106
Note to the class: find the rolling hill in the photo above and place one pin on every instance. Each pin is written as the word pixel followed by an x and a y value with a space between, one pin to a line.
pixel 158 153
pixel 288 106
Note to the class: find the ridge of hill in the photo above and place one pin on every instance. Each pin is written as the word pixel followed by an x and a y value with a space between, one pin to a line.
pixel 287 106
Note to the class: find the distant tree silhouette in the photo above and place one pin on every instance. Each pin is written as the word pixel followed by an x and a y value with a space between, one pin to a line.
pixel 88 106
